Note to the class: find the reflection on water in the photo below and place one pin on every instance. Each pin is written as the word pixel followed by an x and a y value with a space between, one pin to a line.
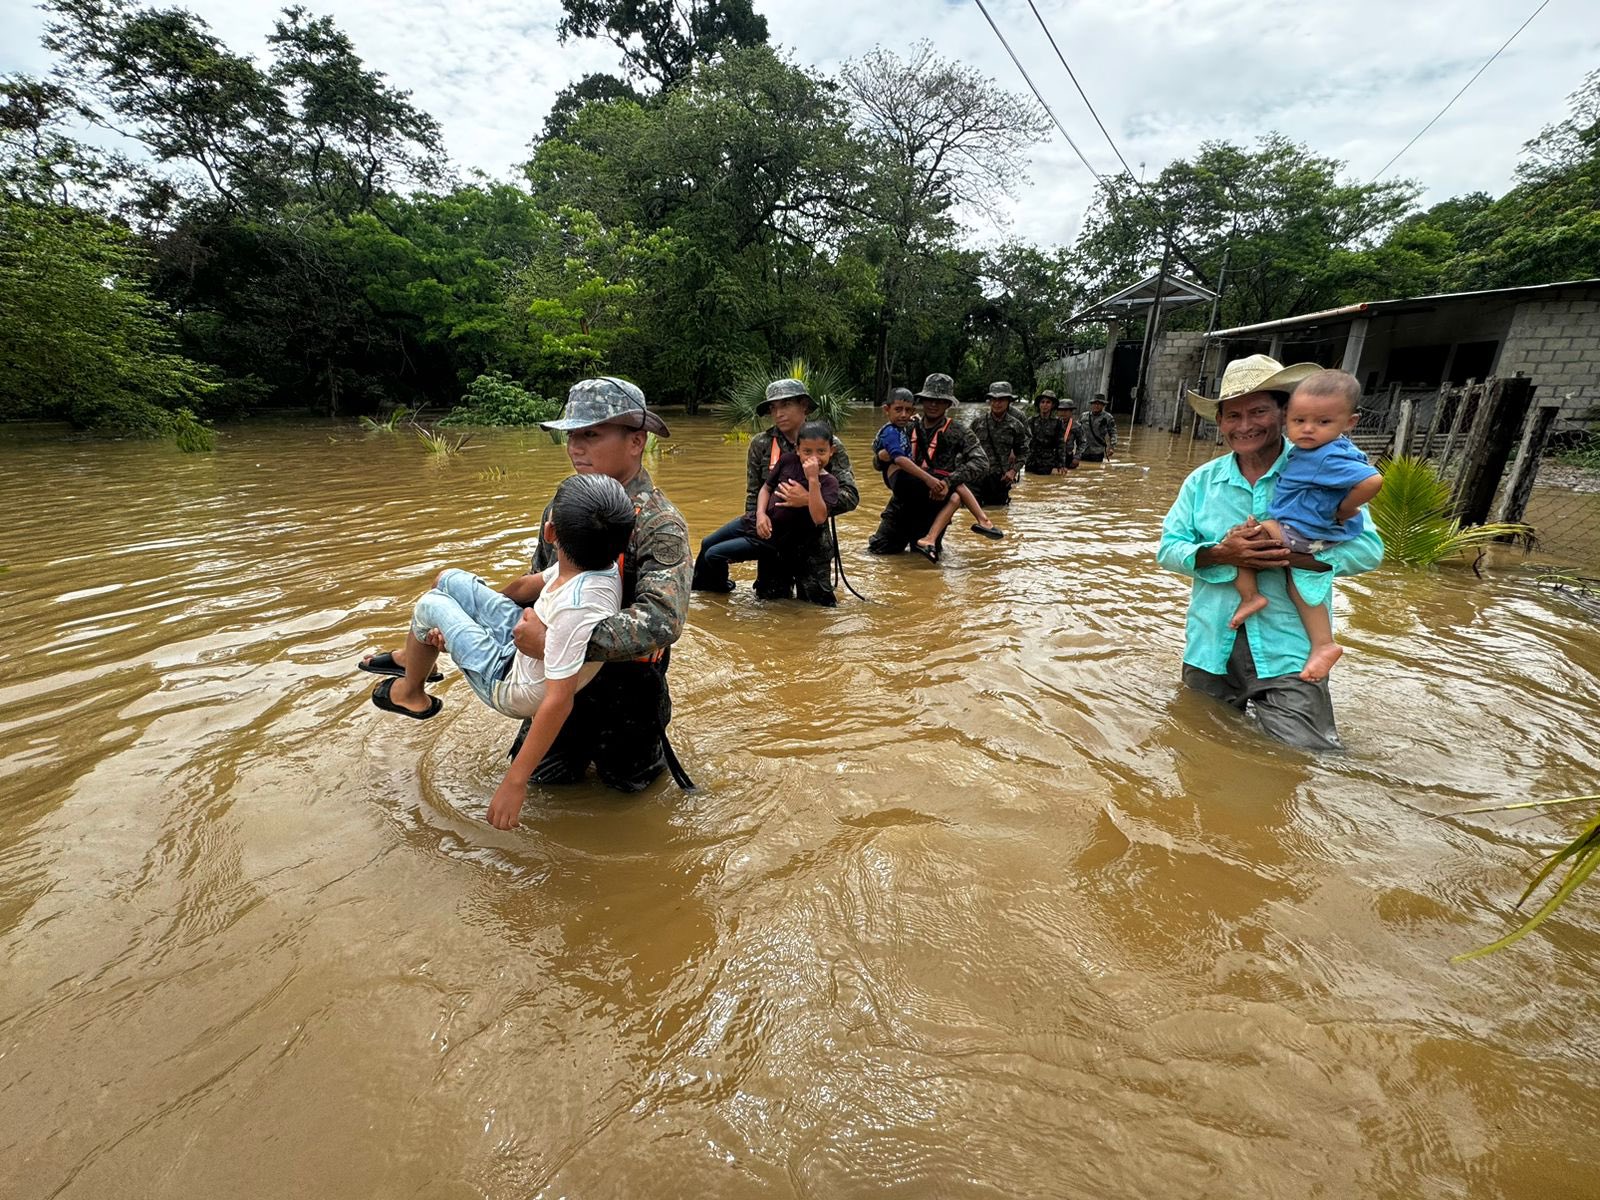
pixel 973 901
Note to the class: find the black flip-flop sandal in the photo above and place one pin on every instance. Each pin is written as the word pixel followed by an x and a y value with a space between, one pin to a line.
pixel 384 664
pixel 931 553
pixel 380 697
pixel 991 533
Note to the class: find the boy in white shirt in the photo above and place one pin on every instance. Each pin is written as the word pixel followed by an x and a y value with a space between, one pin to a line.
pixel 590 522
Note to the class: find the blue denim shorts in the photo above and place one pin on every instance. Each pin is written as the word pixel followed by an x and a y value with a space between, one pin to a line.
pixel 477 623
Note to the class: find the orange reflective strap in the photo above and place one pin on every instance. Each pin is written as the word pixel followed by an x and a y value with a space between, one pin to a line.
pixel 772 460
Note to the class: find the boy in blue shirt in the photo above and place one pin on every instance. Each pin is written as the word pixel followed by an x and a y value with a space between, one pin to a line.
pixel 1318 500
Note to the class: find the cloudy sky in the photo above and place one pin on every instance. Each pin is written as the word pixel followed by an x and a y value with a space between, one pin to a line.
pixel 1354 79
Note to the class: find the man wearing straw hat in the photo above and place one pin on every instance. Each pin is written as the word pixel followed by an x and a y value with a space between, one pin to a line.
pixel 1212 530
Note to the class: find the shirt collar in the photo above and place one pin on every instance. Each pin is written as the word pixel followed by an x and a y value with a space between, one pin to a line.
pixel 1236 476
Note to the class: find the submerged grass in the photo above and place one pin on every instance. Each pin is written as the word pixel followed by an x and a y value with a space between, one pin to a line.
pixel 441 444
pixel 1416 516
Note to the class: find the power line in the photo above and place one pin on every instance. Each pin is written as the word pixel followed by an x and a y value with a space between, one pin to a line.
pixel 1457 96
pixel 1023 71
pixel 1081 92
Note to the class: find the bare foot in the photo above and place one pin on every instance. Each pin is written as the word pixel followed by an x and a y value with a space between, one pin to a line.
pixel 1321 661
pixel 1247 608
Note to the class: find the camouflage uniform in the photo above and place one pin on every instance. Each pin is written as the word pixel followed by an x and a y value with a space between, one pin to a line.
pixel 911 509
pixel 810 578
pixel 618 719
pixel 1099 435
pixel 1047 436
pixel 1002 440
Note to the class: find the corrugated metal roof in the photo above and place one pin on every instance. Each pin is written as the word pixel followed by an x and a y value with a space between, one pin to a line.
pixel 1350 312
pixel 1178 292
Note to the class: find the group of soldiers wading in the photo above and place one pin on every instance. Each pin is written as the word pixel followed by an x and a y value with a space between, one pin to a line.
pixel 798 477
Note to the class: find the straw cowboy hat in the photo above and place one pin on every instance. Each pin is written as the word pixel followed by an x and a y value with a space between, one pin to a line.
pixel 1258 373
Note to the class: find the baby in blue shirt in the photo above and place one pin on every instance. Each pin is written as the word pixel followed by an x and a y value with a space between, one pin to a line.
pixel 1317 501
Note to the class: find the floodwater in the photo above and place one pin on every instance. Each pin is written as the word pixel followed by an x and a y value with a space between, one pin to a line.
pixel 972 900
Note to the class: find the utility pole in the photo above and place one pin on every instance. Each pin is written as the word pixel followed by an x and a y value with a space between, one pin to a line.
pixel 1211 323
pixel 1140 390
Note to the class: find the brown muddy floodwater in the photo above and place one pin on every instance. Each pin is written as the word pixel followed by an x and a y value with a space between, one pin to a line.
pixel 972 902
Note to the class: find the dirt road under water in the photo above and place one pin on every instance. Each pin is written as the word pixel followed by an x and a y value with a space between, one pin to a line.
pixel 972 902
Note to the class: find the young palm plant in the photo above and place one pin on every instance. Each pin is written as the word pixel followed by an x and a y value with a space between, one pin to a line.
pixel 1583 852
pixel 827 386
pixel 1416 516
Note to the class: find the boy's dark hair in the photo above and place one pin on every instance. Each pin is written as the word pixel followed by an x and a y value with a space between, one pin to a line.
pixel 818 431
pixel 593 518
pixel 1333 383
pixel 900 394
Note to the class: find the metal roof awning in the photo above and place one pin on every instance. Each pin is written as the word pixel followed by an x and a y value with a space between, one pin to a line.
pixel 1177 292
pixel 1372 308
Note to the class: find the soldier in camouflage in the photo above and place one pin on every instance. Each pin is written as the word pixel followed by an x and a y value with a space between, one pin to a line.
pixel 1099 438
pixel 788 403
pixel 1047 436
pixel 1003 434
pixel 941 447
pixel 619 720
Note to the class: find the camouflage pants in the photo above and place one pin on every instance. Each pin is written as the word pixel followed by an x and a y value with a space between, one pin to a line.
pixel 616 724
pixel 907 517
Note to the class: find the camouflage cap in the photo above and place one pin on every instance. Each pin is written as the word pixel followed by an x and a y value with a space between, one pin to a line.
pixel 1001 390
pixel 938 387
pixel 784 389
pixel 1069 402
pixel 607 401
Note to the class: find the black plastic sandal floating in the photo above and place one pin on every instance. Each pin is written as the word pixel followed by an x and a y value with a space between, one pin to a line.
pixel 384 664
pixel 988 531
pixel 380 697
pixel 931 553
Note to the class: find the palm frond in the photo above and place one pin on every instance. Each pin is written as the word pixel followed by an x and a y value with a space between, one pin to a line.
pixel 826 384
pixel 1582 852
pixel 1416 516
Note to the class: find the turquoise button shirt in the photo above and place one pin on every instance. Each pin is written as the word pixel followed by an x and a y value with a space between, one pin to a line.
pixel 1212 501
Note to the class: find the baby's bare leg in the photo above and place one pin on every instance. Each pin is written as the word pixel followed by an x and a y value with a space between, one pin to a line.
pixel 1319 628
pixel 1251 601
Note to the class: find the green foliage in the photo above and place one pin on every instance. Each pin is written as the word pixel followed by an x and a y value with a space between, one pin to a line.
pixel 388 424
pixel 441 445
pixel 826 385
pixel 497 400
pixel 1586 454
pixel 192 436
pixel 1416 516
pixel 1582 854
pixel 663 41
pixel 80 339
pixel 1301 238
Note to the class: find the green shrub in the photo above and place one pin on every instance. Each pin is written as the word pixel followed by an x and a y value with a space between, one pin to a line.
pixel 1586 454
pixel 192 436
pixel 497 399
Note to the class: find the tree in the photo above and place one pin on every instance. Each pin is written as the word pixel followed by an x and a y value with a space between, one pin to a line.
pixel 663 40
pixel 79 338
pixel 1547 227
pixel 943 136
pixel 750 163
pixel 1291 223
pixel 597 88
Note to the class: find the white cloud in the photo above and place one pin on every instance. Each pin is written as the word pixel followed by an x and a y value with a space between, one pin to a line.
pixel 1353 80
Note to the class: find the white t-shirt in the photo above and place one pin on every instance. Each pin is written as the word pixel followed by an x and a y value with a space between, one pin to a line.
pixel 570 613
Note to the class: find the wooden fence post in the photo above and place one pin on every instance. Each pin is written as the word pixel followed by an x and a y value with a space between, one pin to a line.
pixel 1466 410
pixel 1439 403
pixel 1403 427
pixel 1519 487
pixel 1500 415
pixel 1179 408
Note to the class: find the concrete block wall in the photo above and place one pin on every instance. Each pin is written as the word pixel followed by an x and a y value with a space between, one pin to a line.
pixel 1176 360
pixel 1556 343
